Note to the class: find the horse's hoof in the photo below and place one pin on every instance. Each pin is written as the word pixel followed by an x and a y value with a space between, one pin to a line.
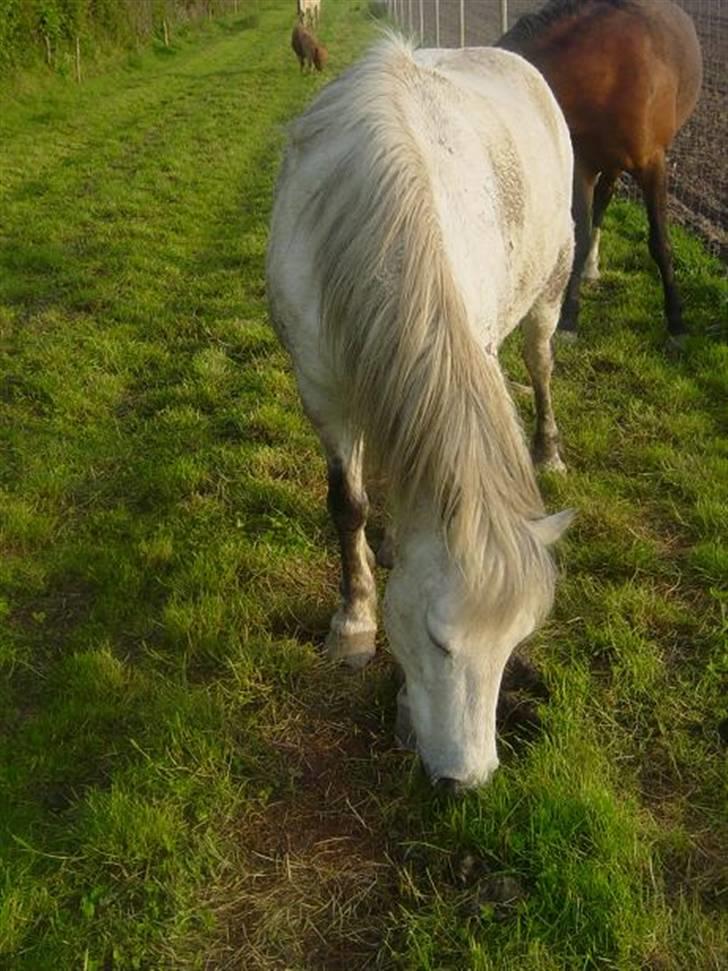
pixel 676 343
pixel 554 463
pixel 354 648
pixel 565 336
pixel 591 274
pixel 546 456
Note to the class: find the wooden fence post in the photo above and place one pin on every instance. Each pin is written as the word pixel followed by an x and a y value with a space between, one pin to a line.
pixel 78 59
pixel 165 31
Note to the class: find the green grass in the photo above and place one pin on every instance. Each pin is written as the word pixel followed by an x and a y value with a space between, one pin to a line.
pixel 184 782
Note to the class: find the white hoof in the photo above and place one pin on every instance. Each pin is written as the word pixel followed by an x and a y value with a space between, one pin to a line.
pixel 356 648
pixel 565 336
pixel 553 464
pixel 591 274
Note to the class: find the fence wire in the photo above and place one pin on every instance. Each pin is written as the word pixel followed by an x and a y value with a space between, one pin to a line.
pixel 698 157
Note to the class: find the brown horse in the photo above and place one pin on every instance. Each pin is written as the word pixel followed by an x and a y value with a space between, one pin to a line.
pixel 307 49
pixel 627 74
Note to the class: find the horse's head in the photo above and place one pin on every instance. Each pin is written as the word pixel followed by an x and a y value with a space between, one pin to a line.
pixel 320 57
pixel 453 649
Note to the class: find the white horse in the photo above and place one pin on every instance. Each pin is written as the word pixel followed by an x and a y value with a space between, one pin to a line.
pixel 309 11
pixel 422 211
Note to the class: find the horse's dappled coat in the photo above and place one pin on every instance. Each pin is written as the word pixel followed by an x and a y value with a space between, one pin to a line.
pixel 422 211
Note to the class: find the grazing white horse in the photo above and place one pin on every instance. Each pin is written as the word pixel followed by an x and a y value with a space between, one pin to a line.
pixel 422 211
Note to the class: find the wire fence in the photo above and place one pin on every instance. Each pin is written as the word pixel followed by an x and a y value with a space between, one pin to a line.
pixel 698 158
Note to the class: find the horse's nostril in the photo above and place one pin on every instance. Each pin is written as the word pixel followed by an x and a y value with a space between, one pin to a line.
pixel 450 787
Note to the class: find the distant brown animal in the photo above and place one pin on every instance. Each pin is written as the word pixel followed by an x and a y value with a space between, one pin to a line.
pixel 627 74
pixel 307 49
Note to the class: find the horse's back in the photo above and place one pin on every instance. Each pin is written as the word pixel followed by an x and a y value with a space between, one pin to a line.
pixel 483 137
pixel 627 74
pixel 504 200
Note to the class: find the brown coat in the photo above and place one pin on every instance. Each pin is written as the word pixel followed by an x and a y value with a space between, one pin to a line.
pixel 307 49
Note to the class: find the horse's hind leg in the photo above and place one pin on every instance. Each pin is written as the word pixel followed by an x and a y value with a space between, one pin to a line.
pixel 582 212
pixel 652 180
pixel 603 193
pixel 354 625
pixel 537 328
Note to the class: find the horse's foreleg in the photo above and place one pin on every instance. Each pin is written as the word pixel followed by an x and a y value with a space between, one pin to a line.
pixel 582 212
pixel 538 327
pixel 354 625
pixel 603 193
pixel 652 180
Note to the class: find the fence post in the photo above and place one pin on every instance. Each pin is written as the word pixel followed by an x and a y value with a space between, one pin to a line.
pixel 462 23
pixel 437 23
pixel 78 59
pixel 504 16
pixel 422 24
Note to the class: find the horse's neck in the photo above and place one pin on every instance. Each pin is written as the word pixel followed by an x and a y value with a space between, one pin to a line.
pixel 421 535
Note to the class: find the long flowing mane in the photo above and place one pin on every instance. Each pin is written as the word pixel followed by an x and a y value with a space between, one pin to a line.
pixel 427 398
pixel 532 25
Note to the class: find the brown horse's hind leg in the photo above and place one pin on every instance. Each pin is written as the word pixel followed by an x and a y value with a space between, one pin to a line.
pixel 582 212
pixel 602 197
pixel 354 625
pixel 652 180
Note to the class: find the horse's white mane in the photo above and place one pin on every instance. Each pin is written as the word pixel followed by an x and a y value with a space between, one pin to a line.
pixel 428 399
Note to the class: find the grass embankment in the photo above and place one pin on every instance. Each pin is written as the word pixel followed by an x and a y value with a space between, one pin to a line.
pixel 184 782
pixel 72 37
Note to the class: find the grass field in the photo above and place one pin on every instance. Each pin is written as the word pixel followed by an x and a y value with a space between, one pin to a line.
pixel 184 782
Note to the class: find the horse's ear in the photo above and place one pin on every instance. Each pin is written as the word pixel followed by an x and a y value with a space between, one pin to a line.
pixel 552 528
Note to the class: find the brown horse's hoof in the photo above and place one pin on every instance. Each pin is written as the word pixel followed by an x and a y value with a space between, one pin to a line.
pixel 676 343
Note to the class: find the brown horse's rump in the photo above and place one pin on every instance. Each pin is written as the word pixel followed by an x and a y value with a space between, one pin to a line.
pixel 627 74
